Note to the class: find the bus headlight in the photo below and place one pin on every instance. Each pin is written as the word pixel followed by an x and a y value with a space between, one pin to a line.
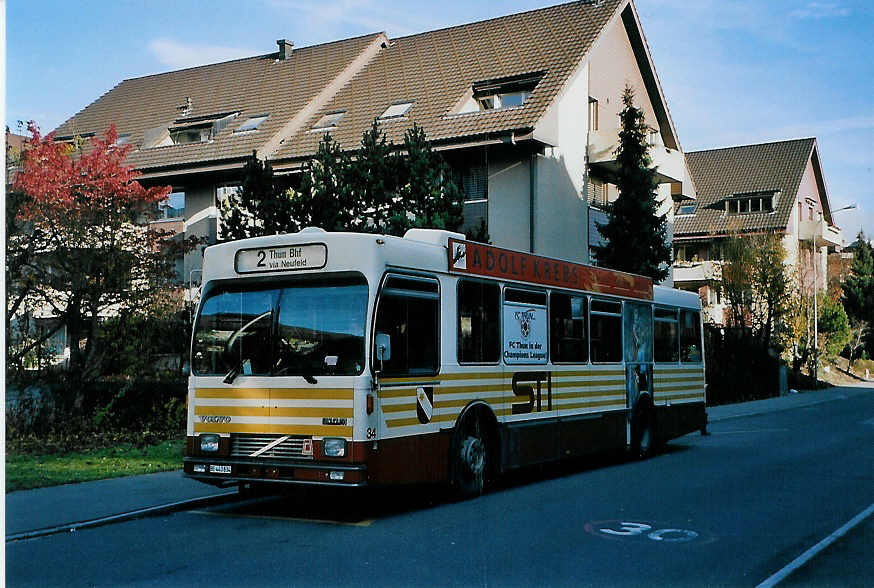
pixel 209 443
pixel 334 447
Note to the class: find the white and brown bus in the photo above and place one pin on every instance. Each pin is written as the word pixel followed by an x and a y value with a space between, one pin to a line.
pixel 356 359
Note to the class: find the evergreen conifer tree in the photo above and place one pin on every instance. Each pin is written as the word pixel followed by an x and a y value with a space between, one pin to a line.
pixel 379 190
pixel 858 288
pixel 259 207
pixel 635 233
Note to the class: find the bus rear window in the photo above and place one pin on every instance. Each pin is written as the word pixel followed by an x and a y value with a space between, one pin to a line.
pixel 690 336
pixel 304 329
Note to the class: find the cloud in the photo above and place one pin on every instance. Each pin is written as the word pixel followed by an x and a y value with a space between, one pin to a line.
pixel 818 10
pixel 362 15
pixel 176 55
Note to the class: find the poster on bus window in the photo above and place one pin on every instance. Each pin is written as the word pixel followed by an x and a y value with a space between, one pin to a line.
pixel 525 339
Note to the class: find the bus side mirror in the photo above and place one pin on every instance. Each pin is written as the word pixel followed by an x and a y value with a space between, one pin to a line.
pixel 383 347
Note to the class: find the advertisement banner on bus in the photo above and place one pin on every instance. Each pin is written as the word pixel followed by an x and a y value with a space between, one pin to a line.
pixel 467 257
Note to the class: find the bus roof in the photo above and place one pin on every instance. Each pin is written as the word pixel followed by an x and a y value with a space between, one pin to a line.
pixel 314 250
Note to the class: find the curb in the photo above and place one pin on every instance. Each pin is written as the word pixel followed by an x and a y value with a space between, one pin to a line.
pixel 125 516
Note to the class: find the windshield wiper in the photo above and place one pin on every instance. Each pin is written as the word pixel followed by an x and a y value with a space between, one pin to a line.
pixel 232 375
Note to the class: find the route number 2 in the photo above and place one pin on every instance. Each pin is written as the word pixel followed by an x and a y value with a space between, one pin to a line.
pixel 637 529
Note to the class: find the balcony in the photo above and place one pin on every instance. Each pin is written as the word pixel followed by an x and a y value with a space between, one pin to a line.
pixel 824 234
pixel 671 163
pixel 697 272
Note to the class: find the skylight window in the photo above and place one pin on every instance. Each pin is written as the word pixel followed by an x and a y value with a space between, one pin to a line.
pixel 252 123
pixel 396 110
pixel 328 121
pixel 686 209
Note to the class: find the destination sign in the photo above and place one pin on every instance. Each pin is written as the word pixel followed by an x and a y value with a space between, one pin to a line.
pixel 276 259
pixel 484 260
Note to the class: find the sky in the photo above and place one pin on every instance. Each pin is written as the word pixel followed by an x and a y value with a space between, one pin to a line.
pixel 733 72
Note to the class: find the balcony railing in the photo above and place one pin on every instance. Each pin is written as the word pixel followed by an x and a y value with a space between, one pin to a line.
pixel 697 271
pixel 670 163
pixel 824 234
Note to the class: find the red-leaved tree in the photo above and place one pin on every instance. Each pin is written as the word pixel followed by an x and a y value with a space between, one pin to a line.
pixel 80 248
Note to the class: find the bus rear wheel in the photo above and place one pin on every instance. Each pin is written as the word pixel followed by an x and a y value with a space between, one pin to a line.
pixel 470 457
pixel 643 439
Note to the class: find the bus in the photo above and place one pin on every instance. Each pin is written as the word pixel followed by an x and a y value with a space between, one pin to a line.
pixel 350 359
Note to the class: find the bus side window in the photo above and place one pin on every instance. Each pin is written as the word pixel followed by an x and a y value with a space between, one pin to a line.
pixel 667 336
pixel 605 319
pixel 409 313
pixel 568 336
pixel 690 336
pixel 479 337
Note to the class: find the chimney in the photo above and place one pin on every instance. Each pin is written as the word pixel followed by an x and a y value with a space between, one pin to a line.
pixel 285 47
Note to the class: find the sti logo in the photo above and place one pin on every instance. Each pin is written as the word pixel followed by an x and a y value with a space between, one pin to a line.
pixel 459 257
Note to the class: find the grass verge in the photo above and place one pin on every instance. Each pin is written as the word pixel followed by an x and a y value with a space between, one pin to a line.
pixel 27 470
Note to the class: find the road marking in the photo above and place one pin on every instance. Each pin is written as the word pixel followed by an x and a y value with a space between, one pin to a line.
pixel 654 532
pixel 816 549
pixel 364 523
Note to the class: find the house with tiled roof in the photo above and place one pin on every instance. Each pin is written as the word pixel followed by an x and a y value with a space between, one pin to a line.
pixel 774 187
pixel 524 108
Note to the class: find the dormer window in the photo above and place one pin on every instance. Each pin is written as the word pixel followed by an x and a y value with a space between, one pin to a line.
pixel 328 121
pixel 199 129
pixel 500 93
pixel 252 123
pixel 751 202
pixel 396 110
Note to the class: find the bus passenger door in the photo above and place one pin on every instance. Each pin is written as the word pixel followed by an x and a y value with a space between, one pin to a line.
pixel 638 355
pixel 408 318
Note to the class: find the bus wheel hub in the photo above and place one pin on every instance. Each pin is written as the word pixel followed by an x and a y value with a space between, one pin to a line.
pixel 473 454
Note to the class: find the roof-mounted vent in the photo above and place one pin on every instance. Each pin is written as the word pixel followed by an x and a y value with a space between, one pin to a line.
pixel 184 109
pixel 285 47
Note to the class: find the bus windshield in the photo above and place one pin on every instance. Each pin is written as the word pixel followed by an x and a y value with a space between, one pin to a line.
pixel 300 329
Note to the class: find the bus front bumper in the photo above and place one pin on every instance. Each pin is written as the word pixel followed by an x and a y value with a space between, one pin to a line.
pixel 223 471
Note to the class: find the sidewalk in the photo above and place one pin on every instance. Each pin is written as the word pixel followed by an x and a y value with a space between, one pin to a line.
pixel 788 402
pixel 29 510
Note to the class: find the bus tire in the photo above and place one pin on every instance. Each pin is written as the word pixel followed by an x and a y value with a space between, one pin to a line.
pixel 643 430
pixel 471 455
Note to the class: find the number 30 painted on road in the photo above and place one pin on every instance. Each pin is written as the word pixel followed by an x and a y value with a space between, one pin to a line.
pixel 667 535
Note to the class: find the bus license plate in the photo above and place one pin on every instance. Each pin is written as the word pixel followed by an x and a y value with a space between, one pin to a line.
pixel 220 469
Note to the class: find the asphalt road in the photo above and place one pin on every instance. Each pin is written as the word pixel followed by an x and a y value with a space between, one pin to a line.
pixel 730 509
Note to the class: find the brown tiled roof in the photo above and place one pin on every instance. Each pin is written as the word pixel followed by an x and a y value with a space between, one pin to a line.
pixel 437 68
pixel 252 86
pixel 721 173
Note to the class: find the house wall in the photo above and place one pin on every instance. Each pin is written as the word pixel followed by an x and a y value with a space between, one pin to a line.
pixel 807 190
pixel 612 66
pixel 201 222
pixel 509 201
